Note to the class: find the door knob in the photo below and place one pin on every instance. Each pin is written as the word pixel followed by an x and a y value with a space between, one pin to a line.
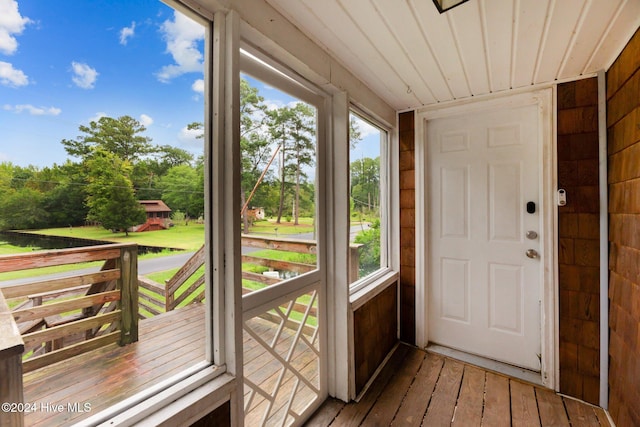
pixel 532 253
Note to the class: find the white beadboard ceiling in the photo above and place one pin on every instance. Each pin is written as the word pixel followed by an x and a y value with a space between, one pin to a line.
pixel 412 56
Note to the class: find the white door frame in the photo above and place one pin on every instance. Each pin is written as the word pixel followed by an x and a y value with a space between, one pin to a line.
pixel 549 310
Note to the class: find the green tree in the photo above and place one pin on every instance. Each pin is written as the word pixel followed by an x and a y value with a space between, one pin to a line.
pixel 146 177
pixel 370 252
pixel 65 199
pixel 182 190
pixel 255 146
pixel 365 184
pixel 170 156
pixel 20 198
pixel 293 129
pixel 120 137
pixel 111 198
pixel 355 136
pixel 22 209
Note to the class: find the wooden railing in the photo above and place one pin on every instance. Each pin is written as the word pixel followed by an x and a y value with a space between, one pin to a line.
pixel 187 285
pixel 11 349
pixel 82 311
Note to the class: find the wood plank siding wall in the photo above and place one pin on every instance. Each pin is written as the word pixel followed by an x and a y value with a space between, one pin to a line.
pixel 375 333
pixel 219 417
pixel 579 246
pixel 407 228
pixel 623 123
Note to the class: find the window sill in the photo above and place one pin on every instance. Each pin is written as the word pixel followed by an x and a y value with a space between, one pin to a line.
pixel 176 396
pixel 371 287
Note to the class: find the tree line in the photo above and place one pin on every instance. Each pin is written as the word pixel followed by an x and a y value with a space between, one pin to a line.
pixel 112 165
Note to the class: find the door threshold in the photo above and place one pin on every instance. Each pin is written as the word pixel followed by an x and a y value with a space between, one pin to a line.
pixel 489 364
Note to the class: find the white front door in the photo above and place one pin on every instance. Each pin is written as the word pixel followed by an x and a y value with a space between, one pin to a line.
pixel 484 215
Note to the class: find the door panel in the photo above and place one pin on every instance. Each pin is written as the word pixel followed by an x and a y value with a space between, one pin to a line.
pixel 484 292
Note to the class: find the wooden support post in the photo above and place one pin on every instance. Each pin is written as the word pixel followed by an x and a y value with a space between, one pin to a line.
pixel 11 349
pixel 354 262
pixel 128 284
pixel 168 298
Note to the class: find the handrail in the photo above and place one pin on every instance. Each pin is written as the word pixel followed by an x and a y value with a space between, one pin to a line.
pixel 38 259
pixel 157 298
pixel 83 311
pixel 11 349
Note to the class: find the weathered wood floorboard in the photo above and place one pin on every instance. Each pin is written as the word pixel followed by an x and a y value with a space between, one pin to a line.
pixel 168 344
pixel 470 402
pixel 413 388
pixel 353 415
pixel 444 392
pixel 415 403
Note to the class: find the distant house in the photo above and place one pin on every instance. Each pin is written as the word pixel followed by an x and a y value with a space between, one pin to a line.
pixel 158 216
pixel 256 214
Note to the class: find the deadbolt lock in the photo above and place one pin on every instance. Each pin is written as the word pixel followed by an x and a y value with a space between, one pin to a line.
pixel 532 253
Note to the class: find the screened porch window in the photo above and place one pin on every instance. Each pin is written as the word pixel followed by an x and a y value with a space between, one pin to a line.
pixel 368 219
pixel 123 163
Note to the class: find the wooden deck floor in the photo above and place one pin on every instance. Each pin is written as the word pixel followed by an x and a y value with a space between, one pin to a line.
pixel 167 344
pixel 414 388
pixel 418 388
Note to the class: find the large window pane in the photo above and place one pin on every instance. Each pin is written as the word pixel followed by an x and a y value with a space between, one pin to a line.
pixel 367 202
pixel 278 190
pixel 281 279
pixel 102 114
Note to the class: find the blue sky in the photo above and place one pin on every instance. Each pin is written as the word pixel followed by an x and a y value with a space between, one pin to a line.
pixel 66 63
pixel 63 64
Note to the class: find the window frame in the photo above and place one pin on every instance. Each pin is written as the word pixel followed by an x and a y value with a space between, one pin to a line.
pixel 309 61
pixel 380 277
pixel 216 377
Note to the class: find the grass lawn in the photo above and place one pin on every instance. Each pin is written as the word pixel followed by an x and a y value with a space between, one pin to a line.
pixel 190 237
pixel 187 237
pixel 270 226
pixel 7 249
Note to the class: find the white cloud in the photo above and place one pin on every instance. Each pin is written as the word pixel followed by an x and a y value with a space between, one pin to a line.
pixel 146 120
pixel 189 136
pixel 198 86
pixel 83 75
pixel 274 104
pixel 182 36
pixel 11 23
pixel 34 111
pixel 97 116
pixel 366 129
pixel 126 33
pixel 10 76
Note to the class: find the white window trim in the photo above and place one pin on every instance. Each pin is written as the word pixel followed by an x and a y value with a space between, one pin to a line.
pixel 380 280
pixel 270 68
pixel 388 209
pixel 178 397
pixel 306 58
pixel 144 404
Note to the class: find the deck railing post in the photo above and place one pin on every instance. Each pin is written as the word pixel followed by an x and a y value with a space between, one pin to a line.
pixel 168 299
pixel 11 349
pixel 128 263
pixel 354 262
